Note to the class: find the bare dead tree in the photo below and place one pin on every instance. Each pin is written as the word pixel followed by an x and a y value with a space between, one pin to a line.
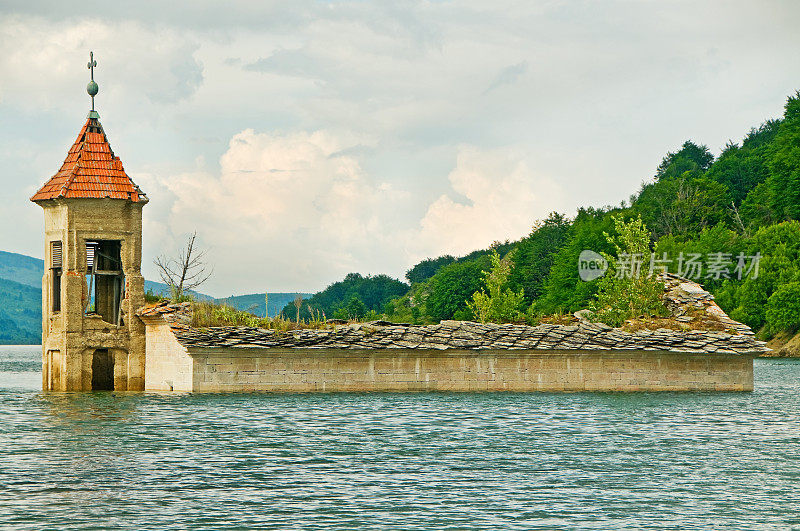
pixel 185 272
pixel 298 303
pixel 738 219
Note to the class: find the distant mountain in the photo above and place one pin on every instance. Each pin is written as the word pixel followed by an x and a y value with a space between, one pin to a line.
pixel 21 269
pixel 158 288
pixel 20 313
pixel 254 303
pixel 21 299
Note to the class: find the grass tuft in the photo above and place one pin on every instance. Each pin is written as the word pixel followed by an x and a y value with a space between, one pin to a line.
pixel 209 315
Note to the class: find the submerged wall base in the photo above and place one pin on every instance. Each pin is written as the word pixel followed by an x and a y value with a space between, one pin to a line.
pixel 172 367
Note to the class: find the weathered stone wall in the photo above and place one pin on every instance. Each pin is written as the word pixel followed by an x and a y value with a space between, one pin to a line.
pixel 327 370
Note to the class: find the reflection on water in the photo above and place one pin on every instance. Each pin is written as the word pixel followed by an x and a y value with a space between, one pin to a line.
pixel 71 409
pixel 400 461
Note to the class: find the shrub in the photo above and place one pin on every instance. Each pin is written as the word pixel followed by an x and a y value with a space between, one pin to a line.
pixel 150 297
pixel 623 295
pixel 207 315
pixel 446 293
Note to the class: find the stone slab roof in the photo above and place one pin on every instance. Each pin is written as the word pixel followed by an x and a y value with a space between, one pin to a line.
pixel 91 170
pixel 686 300
pixel 465 335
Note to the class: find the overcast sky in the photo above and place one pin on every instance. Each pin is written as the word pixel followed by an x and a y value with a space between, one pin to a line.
pixel 307 139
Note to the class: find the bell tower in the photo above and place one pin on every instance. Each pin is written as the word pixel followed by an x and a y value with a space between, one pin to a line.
pixel 92 283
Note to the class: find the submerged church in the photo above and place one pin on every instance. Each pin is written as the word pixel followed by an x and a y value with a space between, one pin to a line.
pixel 97 333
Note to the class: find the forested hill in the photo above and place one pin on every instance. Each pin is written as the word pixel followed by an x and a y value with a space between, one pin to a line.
pixel 355 296
pixel 20 299
pixel 21 269
pixel 20 313
pixel 720 212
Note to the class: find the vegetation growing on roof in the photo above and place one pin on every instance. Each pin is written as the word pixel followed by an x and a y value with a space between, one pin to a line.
pixel 209 314
pixel 624 292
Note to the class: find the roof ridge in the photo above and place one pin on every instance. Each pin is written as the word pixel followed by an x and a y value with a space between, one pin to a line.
pixel 74 171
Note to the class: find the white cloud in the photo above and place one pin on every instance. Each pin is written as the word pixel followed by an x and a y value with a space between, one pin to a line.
pixel 298 206
pixel 590 94
pixel 293 206
pixel 49 61
pixel 503 198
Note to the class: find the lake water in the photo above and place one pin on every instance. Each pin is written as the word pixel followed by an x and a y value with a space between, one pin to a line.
pixel 398 461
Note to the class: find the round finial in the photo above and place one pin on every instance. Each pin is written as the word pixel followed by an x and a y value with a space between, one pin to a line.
pixel 92 88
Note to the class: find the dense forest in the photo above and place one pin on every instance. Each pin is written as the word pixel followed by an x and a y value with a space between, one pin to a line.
pixel 737 215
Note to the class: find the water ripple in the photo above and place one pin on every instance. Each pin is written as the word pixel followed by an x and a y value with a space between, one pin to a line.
pixel 399 461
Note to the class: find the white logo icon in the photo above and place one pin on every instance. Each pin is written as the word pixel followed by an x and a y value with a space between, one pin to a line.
pixel 591 265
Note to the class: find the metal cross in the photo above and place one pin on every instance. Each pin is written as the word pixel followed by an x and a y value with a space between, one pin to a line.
pixel 92 88
pixel 92 63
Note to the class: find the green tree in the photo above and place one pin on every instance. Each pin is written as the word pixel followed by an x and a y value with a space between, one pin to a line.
pixel 784 162
pixel 783 308
pixel 446 293
pixel 354 309
pixel 533 256
pixel 683 205
pixel 778 246
pixel 743 168
pixel 757 209
pixel 427 268
pixel 563 290
pixel 410 307
pixel 500 304
pixel 692 158
pixel 711 240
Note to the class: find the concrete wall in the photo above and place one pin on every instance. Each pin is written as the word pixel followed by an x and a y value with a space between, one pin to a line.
pixel 168 367
pixel 310 370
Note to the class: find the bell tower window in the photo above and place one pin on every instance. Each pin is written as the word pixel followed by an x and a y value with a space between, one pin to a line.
pixel 105 280
pixel 56 266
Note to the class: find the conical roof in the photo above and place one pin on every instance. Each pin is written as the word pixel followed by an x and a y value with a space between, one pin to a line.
pixel 91 170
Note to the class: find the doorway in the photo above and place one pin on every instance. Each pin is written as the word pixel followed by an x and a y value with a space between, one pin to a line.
pixel 102 370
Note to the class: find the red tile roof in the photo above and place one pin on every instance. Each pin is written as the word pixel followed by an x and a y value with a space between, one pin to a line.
pixel 91 170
